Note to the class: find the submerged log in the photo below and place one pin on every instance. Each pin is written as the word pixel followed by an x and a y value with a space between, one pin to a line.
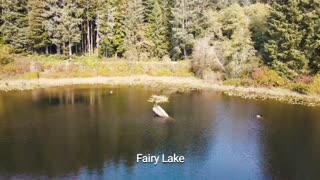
pixel 159 111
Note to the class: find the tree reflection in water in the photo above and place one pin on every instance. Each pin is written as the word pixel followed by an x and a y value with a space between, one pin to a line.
pixel 59 131
pixel 89 133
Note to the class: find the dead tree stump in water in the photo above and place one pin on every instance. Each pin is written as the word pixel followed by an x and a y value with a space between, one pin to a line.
pixel 156 108
pixel 159 111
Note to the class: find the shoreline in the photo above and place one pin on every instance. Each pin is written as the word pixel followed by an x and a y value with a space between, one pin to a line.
pixel 177 83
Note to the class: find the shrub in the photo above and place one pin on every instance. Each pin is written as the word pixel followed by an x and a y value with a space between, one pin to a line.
pixel 131 55
pixel 36 67
pixel 8 69
pixel 5 59
pixel 31 75
pixel 206 59
pixel 300 88
pixel 103 70
pixel 238 82
pixel 56 68
pixel 228 48
pixel 306 79
pixel 90 62
pixel 183 70
pixel 5 56
pixel 136 68
pixel 264 76
pixel 283 70
pixel 166 58
pixel 52 58
pixel 211 76
pixel 21 66
pixel 315 84
pixel 159 72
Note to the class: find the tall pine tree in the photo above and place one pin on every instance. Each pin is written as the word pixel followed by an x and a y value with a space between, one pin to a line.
pixel 119 27
pixel 37 34
pixel 157 30
pixel 53 23
pixel 14 26
pixel 89 17
pixel 1 23
pixel 105 26
pixel 135 42
pixel 312 21
pixel 71 20
pixel 286 35
pixel 112 28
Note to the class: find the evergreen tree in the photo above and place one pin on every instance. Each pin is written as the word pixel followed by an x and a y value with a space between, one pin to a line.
pixel 142 29
pixel 70 26
pixel 106 23
pixel 312 21
pixel 119 27
pixel 1 23
pixel 157 31
pixel 135 43
pixel 182 28
pixel 258 14
pixel 286 35
pixel 112 27
pixel 53 22
pixel 89 35
pixel 14 26
pixel 200 21
pixel 37 34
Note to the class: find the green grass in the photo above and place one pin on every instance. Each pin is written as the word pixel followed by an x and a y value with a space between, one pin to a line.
pixel 55 66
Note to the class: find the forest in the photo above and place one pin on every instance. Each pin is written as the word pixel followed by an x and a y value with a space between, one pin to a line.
pixel 272 41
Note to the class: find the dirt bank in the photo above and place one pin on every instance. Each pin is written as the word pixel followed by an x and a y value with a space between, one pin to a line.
pixel 178 83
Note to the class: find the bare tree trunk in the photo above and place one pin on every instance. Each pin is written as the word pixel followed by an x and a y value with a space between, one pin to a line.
pixel 58 49
pixel 70 49
pixel 184 22
pixel 88 38
pixel 97 36
pixel 91 37
pixel 82 49
pixel 47 49
pixel 64 49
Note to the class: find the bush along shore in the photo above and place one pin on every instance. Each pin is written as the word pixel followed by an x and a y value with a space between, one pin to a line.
pixel 40 71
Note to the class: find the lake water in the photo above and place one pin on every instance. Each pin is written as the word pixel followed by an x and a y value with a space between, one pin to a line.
pixel 89 133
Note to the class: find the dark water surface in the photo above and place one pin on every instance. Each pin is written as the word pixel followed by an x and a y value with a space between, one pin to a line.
pixel 88 133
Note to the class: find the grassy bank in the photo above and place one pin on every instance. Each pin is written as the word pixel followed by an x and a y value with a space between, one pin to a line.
pixel 29 72
pixel 265 77
pixel 33 67
pixel 171 84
